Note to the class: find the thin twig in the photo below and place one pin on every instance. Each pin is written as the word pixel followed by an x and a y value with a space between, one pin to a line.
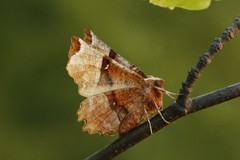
pixel 183 105
pixel 187 86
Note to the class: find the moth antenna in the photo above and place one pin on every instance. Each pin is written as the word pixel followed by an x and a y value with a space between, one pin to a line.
pixel 150 125
pixel 171 94
pixel 168 93
pixel 160 113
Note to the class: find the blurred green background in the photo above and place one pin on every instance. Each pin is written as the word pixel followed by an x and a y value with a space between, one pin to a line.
pixel 38 100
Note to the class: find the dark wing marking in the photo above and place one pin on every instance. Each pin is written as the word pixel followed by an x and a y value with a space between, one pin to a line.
pixel 92 39
pixel 95 73
pixel 115 111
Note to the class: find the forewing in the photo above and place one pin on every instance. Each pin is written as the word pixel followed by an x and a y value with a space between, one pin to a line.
pixel 105 112
pixel 144 108
pixel 94 72
pixel 93 40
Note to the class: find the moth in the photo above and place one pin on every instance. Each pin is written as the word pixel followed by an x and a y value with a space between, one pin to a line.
pixel 119 96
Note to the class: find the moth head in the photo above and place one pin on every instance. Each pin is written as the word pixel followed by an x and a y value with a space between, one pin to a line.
pixel 155 81
pixel 157 84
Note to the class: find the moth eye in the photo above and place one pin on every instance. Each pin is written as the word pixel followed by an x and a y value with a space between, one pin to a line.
pixel 157 83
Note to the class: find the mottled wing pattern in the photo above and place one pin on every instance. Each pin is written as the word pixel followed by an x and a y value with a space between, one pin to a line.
pixel 92 39
pixel 119 95
pixel 94 72
pixel 115 111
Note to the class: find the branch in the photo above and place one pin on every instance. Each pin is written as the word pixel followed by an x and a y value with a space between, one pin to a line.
pixel 170 113
pixel 187 86
pixel 183 105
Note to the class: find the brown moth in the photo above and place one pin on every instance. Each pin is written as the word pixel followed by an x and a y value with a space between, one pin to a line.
pixel 119 95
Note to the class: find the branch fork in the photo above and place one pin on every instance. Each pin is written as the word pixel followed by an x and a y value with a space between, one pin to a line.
pixel 183 105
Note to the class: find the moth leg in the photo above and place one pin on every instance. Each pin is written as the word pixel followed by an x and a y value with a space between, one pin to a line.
pixel 150 125
pixel 160 113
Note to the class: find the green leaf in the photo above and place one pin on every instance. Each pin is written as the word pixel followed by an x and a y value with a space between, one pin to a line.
pixel 185 4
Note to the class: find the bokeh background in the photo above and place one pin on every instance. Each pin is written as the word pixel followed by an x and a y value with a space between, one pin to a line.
pixel 38 100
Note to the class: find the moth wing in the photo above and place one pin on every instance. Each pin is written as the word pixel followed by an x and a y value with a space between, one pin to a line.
pixel 144 108
pixel 95 73
pixel 92 39
pixel 105 112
